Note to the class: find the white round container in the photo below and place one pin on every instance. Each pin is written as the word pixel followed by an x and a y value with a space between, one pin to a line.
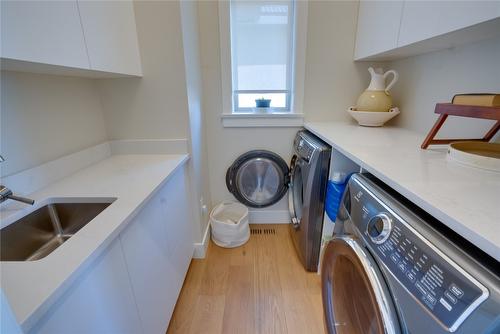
pixel 230 225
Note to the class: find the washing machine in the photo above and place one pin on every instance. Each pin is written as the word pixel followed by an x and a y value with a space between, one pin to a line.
pixel 391 268
pixel 260 178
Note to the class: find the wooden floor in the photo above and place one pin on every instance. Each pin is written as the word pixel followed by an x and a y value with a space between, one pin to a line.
pixel 260 287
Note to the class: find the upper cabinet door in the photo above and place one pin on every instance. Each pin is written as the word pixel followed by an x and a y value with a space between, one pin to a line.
pixel 111 36
pixel 422 20
pixel 378 26
pixel 461 14
pixel 419 21
pixel 47 32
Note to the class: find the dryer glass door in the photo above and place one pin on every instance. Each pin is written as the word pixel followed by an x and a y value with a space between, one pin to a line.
pixel 355 296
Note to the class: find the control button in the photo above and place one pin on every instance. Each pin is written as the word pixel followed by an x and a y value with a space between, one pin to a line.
pixel 402 266
pixel 456 290
pixel 379 228
pixel 450 297
pixel 431 299
pixel 411 276
pixel 395 258
pixel 445 304
pixel 420 288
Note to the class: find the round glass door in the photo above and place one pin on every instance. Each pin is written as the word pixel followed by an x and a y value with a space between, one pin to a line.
pixel 258 178
pixel 355 296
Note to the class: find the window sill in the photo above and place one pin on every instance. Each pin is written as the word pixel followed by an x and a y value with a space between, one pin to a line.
pixel 256 120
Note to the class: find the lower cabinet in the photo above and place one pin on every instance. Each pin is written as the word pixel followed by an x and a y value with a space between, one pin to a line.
pixel 100 301
pixel 158 247
pixel 133 286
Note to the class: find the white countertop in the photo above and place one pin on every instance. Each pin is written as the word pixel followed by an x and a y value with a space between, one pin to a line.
pixel 31 287
pixel 465 199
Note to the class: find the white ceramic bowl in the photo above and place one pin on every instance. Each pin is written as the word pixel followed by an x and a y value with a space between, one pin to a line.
pixel 372 118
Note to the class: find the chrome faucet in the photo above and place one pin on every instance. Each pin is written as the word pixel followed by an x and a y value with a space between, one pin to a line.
pixel 6 193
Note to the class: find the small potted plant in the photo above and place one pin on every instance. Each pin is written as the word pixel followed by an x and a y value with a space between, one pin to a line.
pixel 263 103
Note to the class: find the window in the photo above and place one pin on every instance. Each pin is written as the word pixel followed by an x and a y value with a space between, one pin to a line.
pixel 262 44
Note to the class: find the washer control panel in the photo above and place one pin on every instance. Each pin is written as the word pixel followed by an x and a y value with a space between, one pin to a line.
pixel 435 281
pixel 304 149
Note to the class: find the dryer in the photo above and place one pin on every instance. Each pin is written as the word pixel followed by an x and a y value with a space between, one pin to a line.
pixel 306 198
pixel 260 178
pixel 391 269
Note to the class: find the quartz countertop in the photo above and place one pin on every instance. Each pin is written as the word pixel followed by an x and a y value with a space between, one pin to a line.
pixel 31 287
pixel 466 199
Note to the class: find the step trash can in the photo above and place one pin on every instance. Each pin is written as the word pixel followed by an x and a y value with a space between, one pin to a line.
pixel 229 222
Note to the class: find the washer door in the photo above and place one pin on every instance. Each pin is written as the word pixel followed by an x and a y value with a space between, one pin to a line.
pixel 258 178
pixel 355 296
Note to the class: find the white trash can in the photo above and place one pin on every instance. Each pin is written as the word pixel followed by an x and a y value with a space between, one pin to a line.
pixel 229 221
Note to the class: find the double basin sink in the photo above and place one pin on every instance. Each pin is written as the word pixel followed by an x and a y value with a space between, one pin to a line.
pixel 40 232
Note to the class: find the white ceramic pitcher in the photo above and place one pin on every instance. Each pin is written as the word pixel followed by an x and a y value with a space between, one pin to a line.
pixel 376 97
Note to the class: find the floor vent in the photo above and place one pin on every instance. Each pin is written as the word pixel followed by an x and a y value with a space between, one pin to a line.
pixel 266 231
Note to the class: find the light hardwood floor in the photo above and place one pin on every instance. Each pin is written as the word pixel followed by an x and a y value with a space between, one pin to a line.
pixel 260 287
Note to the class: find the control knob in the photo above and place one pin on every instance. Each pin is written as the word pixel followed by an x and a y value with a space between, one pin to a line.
pixel 379 228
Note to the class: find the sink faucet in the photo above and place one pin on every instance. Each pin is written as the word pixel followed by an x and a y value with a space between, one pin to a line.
pixel 6 193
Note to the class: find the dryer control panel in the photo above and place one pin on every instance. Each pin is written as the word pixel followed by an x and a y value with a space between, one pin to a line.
pixel 303 146
pixel 443 288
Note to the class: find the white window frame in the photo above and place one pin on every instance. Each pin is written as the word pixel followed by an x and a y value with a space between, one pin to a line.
pixel 276 117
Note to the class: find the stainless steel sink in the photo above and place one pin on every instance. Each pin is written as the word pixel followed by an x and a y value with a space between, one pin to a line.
pixel 39 233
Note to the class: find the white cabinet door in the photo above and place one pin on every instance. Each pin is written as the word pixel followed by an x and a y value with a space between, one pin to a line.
pixel 426 19
pixel 47 32
pixel 100 301
pixel 378 26
pixel 111 36
pixel 158 247
pixel 461 14
pixel 419 21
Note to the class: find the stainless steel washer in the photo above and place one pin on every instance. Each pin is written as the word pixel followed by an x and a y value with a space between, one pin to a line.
pixel 307 190
pixel 391 269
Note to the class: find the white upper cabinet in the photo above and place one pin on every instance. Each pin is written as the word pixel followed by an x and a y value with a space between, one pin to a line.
pixel 426 19
pixel 378 25
pixel 421 26
pixel 111 36
pixel 83 38
pixel 47 32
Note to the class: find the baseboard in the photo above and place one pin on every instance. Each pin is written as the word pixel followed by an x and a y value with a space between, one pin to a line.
pixel 149 146
pixel 200 248
pixel 269 216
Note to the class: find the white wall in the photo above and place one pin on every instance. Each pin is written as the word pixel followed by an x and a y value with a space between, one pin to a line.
pixel 333 81
pixel 154 106
pixel 435 77
pixel 44 117
pixel 198 147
